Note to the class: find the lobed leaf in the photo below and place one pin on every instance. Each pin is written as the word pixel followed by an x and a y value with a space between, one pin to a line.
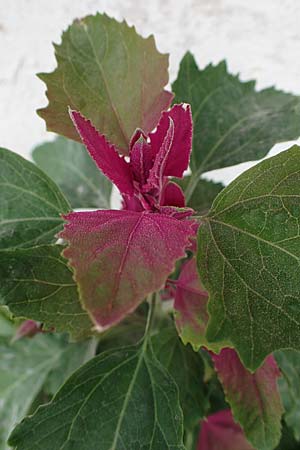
pixel 233 122
pixel 253 397
pixel 109 73
pixel 121 399
pixel 119 257
pixel 36 283
pixel 248 260
pixel 67 163
pixel 31 203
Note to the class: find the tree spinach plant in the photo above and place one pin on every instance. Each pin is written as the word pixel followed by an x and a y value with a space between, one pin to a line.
pixel 174 321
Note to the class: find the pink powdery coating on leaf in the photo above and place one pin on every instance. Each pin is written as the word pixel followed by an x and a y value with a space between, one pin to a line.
pixel 190 304
pixel 120 257
pixel 104 154
pixel 254 397
pixel 176 159
pixel 220 432
pixel 173 195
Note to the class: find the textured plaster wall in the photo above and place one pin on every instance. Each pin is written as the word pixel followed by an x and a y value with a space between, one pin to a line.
pixel 259 38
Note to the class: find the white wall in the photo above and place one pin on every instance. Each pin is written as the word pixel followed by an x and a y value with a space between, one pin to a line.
pixel 259 38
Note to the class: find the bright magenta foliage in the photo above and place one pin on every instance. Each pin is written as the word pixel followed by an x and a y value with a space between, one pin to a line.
pixel 220 432
pixel 120 257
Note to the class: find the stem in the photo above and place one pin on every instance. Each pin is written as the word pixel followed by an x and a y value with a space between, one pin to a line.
pixel 192 184
pixel 189 440
pixel 152 301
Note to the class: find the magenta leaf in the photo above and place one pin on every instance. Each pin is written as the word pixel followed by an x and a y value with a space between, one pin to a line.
pixel 176 155
pixel 173 195
pixel 190 306
pixel 254 397
pixel 119 257
pixel 104 154
pixel 220 432
pixel 140 157
pixel 144 180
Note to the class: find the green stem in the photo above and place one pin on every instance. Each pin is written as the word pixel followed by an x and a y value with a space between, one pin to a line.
pixel 193 184
pixel 189 440
pixel 152 301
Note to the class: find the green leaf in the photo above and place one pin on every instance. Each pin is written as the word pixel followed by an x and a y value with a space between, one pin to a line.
pixel 187 369
pixel 289 385
pixel 7 328
pixel 233 122
pixel 119 400
pixel 31 203
pixel 36 283
pixel 74 171
pixel 74 356
pixel 249 257
pixel 204 194
pixel 109 73
pixel 24 367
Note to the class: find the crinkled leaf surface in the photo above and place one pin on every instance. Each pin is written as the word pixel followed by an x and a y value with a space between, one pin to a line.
pixel 220 432
pixel 253 397
pixel 24 367
pixel 31 203
pixel 119 257
pixel 122 400
pixel 187 369
pixel 190 306
pixel 249 260
pixel 233 122
pixel 109 73
pixel 69 165
pixel 289 384
pixel 204 194
pixel 36 283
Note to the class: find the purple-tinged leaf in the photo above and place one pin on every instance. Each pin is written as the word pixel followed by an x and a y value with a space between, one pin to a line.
pixel 190 306
pixel 176 157
pixel 220 432
pixel 254 397
pixel 110 73
pixel 104 154
pixel 28 328
pixel 120 257
pixel 140 157
pixel 157 173
pixel 173 195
